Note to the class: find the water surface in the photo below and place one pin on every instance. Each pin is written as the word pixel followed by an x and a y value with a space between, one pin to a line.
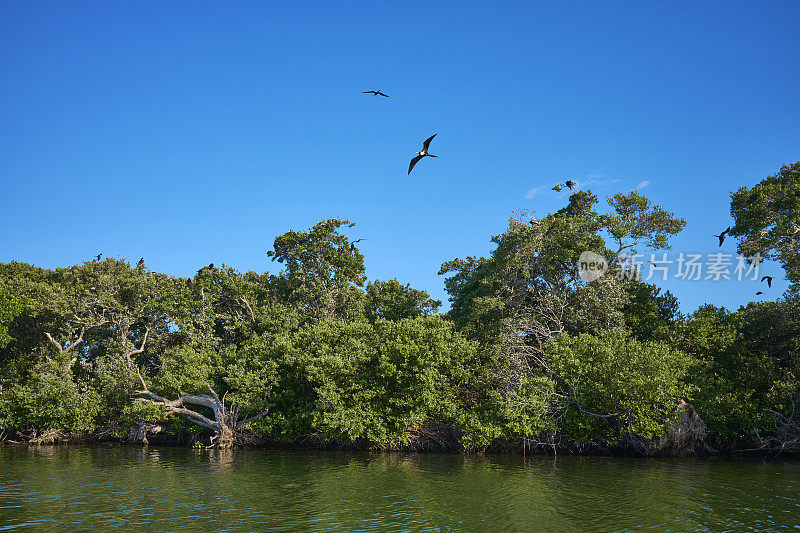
pixel 107 488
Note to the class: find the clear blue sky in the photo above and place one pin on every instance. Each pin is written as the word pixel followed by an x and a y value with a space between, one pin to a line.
pixel 192 132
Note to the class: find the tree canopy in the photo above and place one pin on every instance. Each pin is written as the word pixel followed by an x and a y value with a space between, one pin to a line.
pixel 530 352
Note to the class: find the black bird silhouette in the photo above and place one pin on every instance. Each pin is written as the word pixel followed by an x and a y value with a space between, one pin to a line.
pixel 423 153
pixel 99 256
pixel 376 93
pixel 140 264
pixel 571 184
pixel 721 236
pixel 211 266
pixel 769 281
pixel 353 244
pixel 557 188
pixel 759 292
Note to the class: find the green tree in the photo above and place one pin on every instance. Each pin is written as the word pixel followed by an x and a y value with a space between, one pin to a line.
pixel 747 379
pixel 529 291
pixel 649 313
pixel 614 387
pixel 393 301
pixel 8 310
pixel 323 270
pixel 767 220
pixel 379 381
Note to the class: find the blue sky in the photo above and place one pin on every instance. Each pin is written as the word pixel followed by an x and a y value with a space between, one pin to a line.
pixel 192 132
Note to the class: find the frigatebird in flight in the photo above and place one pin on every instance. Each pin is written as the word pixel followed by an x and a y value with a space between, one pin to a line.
pixel 423 153
pixel 769 281
pixel 721 236
pixel 571 184
pixel 99 256
pixel 759 292
pixel 376 93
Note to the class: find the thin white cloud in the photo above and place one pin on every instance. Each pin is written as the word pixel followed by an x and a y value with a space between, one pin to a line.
pixel 533 192
pixel 642 184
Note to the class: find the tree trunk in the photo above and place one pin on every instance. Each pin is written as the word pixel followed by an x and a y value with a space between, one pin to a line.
pixel 226 424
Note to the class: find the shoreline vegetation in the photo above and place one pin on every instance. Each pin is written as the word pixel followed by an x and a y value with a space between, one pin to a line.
pixel 530 358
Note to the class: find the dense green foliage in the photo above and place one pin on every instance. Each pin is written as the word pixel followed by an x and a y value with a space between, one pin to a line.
pixel 749 363
pixel 768 220
pixel 529 350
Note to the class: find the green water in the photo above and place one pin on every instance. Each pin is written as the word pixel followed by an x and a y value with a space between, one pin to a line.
pixel 169 489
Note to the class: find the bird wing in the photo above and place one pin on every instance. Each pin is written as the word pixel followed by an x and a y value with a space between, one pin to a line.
pixel 427 143
pixel 386 95
pixel 414 162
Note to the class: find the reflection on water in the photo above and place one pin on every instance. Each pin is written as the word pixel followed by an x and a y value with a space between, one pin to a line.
pixel 167 489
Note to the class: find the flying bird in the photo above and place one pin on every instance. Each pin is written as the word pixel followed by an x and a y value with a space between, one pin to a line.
pixel 769 281
pixel 376 93
pixel 423 153
pixel 759 292
pixel 99 256
pixel 557 188
pixel 359 240
pixel 721 236
pixel 571 184
pixel 140 264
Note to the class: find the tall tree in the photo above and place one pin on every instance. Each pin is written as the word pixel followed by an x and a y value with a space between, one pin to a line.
pixel 391 300
pixel 767 220
pixel 530 290
pixel 322 269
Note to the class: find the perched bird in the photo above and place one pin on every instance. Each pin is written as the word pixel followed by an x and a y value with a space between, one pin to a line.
pixel 571 184
pixel 759 292
pixel 140 264
pixel 376 93
pixel 769 281
pixel 423 153
pixel 99 256
pixel 211 266
pixel 557 188
pixel 721 236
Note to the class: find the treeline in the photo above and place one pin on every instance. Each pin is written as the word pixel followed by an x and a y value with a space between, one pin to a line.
pixel 530 355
